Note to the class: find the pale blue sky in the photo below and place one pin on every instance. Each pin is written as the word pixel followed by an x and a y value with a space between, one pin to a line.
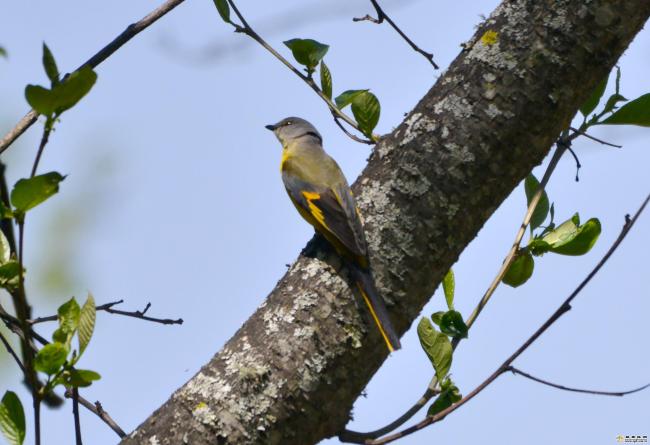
pixel 187 210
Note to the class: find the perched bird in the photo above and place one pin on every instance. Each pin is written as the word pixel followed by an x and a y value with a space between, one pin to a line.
pixel 320 192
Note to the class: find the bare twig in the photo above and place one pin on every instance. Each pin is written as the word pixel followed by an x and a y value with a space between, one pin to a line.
pixel 46 136
pixel 11 352
pixel 505 366
pixel 600 141
pixel 131 31
pixel 245 28
pixel 108 307
pixel 99 411
pixel 567 388
pixel 75 414
pixel 381 16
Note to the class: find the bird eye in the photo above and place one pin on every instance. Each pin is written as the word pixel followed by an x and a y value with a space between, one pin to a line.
pixel 288 123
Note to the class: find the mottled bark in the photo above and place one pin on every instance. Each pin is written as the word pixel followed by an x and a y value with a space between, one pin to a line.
pixel 292 372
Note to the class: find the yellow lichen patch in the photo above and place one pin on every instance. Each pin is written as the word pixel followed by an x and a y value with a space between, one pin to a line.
pixel 489 37
pixel 200 405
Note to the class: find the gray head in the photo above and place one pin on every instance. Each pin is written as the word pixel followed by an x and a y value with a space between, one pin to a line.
pixel 293 128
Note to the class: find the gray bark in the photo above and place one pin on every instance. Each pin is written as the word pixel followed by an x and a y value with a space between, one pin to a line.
pixel 292 372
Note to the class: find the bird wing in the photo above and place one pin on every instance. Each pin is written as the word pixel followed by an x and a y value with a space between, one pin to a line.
pixel 331 210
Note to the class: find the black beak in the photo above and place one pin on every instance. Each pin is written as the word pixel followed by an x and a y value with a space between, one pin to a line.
pixel 270 127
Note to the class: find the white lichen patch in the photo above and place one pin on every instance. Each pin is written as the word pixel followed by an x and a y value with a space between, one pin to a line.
pixel 493 111
pixel 204 414
pixel 416 125
pixel 153 440
pixel 458 106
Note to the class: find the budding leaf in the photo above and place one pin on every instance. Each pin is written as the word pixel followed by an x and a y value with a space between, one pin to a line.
pixel 520 270
pixel 10 275
pixel 307 52
pixel 12 418
pixel 531 185
pixel 452 324
pixel 449 394
pixel 224 9
pixel 578 241
pixel 50 358
pixel 437 347
pixel 325 80
pixel 86 323
pixel 345 98
pixel 63 95
pixel 28 193
pixel 636 112
pixel 5 250
pixel 80 378
pixel 449 286
pixel 366 110
pixel 50 65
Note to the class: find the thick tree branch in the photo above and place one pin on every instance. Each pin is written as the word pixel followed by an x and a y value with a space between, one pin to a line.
pixel 292 372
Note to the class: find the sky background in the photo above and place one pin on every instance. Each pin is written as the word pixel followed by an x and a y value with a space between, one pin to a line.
pixel 173 197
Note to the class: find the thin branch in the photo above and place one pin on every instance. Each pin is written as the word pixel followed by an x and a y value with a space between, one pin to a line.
pixel 381 16
pixel 44 139
pixel 103 54
pixel 11 351
pixel 600 141
pixel 99 411
pixel 108 307
pixel 505 366
pixel 75 414
pixel 518 371
pixel 245 28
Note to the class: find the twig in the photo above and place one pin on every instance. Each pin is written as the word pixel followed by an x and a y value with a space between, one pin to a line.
pixel 564 307
pixel 11 351
pixel 108 307
pixel 381 16
pixel 567 388
pixel 245 28
pixel 75 414
pixel 99 411
pixel 600 141
pixel 103 54
pixel 46 136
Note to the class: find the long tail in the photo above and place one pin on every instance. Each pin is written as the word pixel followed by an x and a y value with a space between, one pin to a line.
pixel 366 285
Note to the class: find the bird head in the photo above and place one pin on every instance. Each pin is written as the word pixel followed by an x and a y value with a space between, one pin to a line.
pixel 292 128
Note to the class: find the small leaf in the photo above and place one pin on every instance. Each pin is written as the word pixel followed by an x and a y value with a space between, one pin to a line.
pixel 452 324
pixel 592 102
pixel 50 358
pixel 531 185
pixel 437 347
pixel 5 249
pixel 449 286
pixel 307 52
pixel 40 99
pixel 28 193
pixel 86 323
pixel 325 80
pixel 50 65
pixel 436 317
pixel 563 233
pixel 5 212
pixel 520 269
pixel 223 9
pixel 68 314
pixel 610 105
pixel 10 275
pixel 366 110
pixel 636 112
pixel 582 241
pixel 80 378
pixel 64 95
pixel 449 395
pixel 12 418
pixel 345 98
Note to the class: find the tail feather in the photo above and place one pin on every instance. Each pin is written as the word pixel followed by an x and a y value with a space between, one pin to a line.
pixel 366 285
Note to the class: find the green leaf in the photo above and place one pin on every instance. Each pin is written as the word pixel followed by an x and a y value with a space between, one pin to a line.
pixel 345 98
pixel 437 347
pixel 80 378
pixel 3 52
pixel 5 250
pixel 28 193
pixel 86 323
pixel 520 270
pixel 449 286
pixel 592 102
pixel 64 95
pixel 449 394
pixel 223 9
pixel 325 80
pixel 452 324
pixel 564 233
pixel 582 240
pixel 307 52
pixel 611 103
pixel 531 185
pixel 68 314
pixel 5 212
pixel 436 317
pixel 10 275
pixel 366 110
pixel 50 65
pixel 636 112
pixel 12 418
pixel 50 358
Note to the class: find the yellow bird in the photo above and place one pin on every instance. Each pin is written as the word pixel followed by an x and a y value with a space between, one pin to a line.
pixel 320 192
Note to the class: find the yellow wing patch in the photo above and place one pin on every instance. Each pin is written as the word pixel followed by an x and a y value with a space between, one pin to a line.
pixel 313 209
